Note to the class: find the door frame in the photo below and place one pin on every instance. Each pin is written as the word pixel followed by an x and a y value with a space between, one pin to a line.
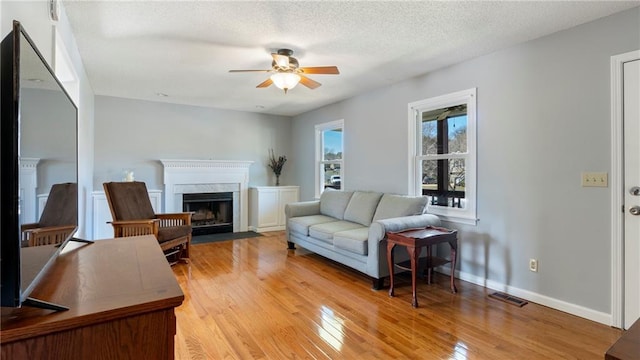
pixel 617 187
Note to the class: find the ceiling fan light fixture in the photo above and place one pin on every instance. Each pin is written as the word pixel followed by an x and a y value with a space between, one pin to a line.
pixel 285 81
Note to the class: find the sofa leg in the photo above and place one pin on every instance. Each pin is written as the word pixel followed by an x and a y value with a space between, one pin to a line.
pixel 378 284
pixel 291 246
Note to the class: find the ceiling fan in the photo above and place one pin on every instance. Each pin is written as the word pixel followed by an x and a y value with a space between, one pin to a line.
pixel 287 72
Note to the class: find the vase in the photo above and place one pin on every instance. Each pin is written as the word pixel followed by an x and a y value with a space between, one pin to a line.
pixel 277 179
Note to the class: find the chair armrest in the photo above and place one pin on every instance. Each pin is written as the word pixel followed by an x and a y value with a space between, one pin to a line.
pixel 379 228
pixel 124 228
pixel 47 235
pixel 50 229
pixel 25 227
pixel 302 208
pixel 131 222
pixel 175 219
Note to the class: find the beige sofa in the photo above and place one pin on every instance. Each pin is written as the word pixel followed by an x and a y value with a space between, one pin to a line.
pixel 350 226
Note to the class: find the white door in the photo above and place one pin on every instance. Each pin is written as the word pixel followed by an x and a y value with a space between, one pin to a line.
pixel 631 123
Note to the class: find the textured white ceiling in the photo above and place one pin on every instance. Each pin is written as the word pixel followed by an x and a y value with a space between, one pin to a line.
pixel 185 48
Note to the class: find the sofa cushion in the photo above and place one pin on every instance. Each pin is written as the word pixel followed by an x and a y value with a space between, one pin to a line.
pixel 301 224
pixel 333 203
pixel 355 241
pixel 391 206
pixel 362 206
pixel 325 231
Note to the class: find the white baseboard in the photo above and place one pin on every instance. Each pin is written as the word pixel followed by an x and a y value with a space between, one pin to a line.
pixel 553 303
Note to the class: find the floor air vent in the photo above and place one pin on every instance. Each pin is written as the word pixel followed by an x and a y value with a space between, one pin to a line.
pixel 509 299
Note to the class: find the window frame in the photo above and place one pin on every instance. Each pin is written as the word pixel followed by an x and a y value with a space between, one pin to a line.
pixel 467 215
pixel 320 162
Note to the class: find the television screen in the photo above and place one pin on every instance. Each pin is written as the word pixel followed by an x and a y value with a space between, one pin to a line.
pixel 38 154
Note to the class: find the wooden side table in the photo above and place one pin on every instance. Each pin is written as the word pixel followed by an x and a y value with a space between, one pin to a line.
pixel 414 240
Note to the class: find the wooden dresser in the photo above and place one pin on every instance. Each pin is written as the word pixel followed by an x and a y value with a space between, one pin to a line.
pixel 121 295
pixel 628 346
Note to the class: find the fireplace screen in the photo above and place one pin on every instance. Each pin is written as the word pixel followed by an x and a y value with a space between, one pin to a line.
pixel 212 212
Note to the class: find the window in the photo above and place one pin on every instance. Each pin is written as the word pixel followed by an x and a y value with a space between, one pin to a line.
pixel 329 156
pixel 443 160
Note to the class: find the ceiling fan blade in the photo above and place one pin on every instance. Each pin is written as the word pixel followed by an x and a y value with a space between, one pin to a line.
pixel 265 83
pixel 311 84
pixel 327 70
pixel 281 60
pixel 232 71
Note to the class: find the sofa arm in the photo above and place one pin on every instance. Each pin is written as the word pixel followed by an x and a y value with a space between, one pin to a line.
pixel 302 208
pixel 379 228
pixel 377 259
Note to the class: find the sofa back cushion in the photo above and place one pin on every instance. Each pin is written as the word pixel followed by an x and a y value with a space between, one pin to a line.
pixel 333 203
pixel 391 206
pixel 362 206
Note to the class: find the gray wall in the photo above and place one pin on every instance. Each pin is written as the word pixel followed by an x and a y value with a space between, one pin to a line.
pixel 135 135
pixel 48 131
pixel 543 118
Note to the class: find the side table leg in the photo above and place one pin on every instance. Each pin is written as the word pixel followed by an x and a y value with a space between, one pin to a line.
pixel 453 268
pixel 413 255
pixel 390 262
pixel 429 265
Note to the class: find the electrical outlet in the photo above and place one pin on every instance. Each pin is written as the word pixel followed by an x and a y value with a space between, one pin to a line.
pixel 595 179
pixel 533 265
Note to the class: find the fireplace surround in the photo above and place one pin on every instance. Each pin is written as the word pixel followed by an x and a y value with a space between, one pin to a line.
pixel 208 176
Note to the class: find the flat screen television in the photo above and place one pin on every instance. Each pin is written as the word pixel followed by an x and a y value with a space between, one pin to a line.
pixel 38 148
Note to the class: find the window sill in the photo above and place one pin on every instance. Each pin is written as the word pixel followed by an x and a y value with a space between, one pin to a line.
pixel 457 219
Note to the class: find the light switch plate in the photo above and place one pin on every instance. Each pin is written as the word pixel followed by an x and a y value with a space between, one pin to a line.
pixel 595 179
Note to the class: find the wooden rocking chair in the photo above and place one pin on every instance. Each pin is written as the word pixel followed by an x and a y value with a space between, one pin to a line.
pixel 133 215
pixel 59 218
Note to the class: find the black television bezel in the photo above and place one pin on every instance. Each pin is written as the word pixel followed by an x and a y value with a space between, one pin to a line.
pixel 11 292
pixel 9 187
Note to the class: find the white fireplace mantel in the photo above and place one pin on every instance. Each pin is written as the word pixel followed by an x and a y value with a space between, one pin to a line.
pixel 194 176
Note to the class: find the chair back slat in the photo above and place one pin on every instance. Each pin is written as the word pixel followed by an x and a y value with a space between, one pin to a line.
pixel 62 206
pixel 129 200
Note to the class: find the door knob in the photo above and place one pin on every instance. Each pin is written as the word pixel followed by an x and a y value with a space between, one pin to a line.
pixel 635 191
pixel 635 210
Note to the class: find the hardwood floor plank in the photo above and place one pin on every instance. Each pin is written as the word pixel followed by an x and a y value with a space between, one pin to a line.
pixel 254 299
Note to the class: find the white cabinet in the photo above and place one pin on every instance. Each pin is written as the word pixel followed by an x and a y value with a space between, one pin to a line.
pixel 267 206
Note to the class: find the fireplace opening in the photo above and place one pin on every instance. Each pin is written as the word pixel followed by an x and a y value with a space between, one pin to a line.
pixel 212 212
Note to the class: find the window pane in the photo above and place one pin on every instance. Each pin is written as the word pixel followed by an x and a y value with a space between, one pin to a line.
pixel 332 143
pixel 332 176
pixel 457 134
pixel 444 131
pixel 443 181
pixel 429 137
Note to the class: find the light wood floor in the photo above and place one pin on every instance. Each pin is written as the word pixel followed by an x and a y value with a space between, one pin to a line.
pixel 254 299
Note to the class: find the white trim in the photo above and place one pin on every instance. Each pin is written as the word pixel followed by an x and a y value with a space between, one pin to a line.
pixel 316 165
pixel 64 68
pixel 459 220
pixel 557 304
pixel 319 145
pixel 469 214
pixel 617 188
pixel 27 192
pixel 413 147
